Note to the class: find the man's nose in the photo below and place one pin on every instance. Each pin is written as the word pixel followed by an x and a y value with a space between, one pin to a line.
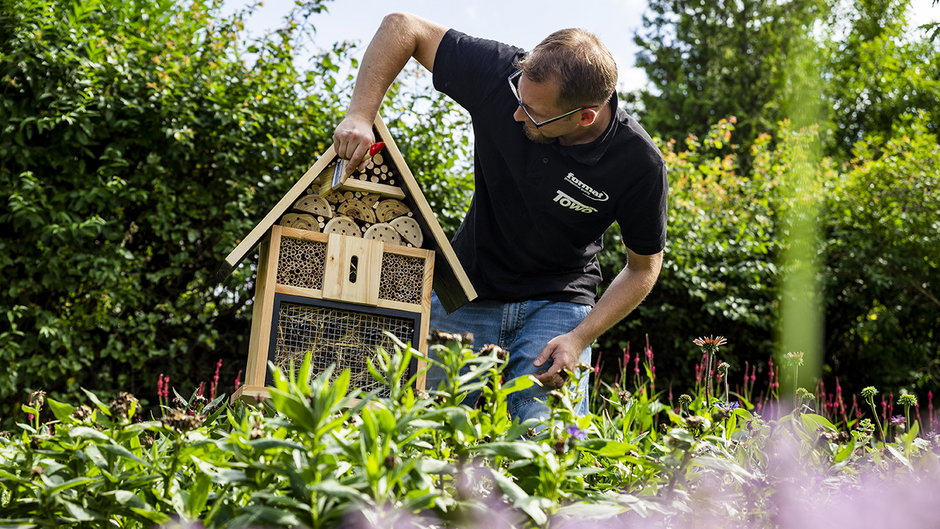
pixel 519 115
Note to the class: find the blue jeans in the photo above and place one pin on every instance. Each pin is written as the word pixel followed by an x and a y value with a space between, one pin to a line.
pixel 522 328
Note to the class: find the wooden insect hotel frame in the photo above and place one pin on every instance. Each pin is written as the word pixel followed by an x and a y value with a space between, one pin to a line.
pixel 342 262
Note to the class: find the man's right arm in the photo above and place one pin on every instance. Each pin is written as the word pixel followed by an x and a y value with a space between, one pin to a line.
pixel 400 37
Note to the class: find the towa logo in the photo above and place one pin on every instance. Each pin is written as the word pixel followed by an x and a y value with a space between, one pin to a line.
pixel 588 191
pixel 570 203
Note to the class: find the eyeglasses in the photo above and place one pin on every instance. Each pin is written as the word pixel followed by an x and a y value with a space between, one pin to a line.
pixel 514 80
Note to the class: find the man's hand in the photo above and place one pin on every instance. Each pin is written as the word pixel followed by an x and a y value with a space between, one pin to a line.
pixel 352 140
pixel 565 351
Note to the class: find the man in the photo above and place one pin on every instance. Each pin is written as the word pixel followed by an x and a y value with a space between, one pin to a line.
pixel 556 163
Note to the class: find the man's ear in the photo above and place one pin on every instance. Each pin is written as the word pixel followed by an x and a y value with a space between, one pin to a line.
pixel 587 117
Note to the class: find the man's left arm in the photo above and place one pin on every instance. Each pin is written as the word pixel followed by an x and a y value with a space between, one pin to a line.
pixel 625 292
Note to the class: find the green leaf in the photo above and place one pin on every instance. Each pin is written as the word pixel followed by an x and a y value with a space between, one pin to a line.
pixel 512 450
pixel 812 422
pixel 94 399
pixel 845 451
pixel 126 498
pixel 514 385
pixel 198 496
pixel 276 516
pixel 75 482
pixel 149 514
pixel 606 447
pixel 434 466
pixel 84 432
pixel 900 457
pixel 725 465
pixel 533 506
pixel 62 411
pixel 120 451
pixel 78 512
pixel 335 489
pixel 268 443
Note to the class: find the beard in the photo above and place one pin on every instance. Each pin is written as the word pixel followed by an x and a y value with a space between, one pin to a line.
pixel 535 135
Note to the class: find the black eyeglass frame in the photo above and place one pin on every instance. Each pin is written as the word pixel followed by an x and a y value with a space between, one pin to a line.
pixel 538 124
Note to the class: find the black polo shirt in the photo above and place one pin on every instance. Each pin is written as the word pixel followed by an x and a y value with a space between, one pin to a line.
pixel 539 211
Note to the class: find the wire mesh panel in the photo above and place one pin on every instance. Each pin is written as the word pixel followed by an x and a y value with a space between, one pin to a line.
pixel 345 338
pixel 300 263
pixel 402 278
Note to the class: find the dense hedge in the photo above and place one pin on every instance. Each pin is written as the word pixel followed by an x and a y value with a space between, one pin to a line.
pixel 879 255
pixel 142 139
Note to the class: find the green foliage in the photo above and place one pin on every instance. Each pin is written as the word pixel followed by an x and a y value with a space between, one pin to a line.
pixel 141 141
pixel 879 72
pixel 433 134
pixel 719 271
pixel 883 261
pixel 878 240
pixel 319 454
pixel 129 131
pixel 709 60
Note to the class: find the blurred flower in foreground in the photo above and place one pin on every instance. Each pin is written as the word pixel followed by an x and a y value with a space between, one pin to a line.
pixel 576 432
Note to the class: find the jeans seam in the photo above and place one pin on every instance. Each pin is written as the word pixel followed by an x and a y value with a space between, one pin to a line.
pixel 520 319
pixel 501 337
pixel 515 407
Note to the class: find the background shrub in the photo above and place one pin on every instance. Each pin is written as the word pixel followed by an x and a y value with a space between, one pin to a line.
pixel 142 139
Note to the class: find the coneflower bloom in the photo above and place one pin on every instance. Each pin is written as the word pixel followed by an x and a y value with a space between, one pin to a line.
pixel 710 343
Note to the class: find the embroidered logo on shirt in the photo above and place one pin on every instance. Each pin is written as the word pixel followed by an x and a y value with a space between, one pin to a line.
pixel 590 192
pixel 570 203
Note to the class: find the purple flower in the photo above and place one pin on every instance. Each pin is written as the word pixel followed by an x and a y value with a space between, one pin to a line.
pixel 727 406
pixel 576 432
pixel 898 421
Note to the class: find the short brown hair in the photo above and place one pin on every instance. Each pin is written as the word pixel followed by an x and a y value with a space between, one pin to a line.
pixel 578 61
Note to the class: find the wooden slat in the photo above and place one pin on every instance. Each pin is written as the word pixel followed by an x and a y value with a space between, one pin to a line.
pixel 408 252
pixel 314 293
pixel 451 283
pixel 340 252
pixel 255 235
pixel 308 235
pixel 422 344
pixel 262 313
pixel 364 186
pixel 249 394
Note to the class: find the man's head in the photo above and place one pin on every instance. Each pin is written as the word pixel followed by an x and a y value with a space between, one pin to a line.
pixel 578 62
pixel 561 84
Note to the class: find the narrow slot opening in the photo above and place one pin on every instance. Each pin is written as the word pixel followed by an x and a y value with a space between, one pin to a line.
pixel 353 265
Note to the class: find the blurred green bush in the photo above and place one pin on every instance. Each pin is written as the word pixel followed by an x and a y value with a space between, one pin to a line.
pixel 142 139
pixel 879 252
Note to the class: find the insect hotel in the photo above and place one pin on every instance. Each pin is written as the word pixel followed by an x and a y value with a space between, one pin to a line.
pixel 343 260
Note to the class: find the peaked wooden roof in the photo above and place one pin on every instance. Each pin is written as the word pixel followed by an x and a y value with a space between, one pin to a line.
pixel 451 283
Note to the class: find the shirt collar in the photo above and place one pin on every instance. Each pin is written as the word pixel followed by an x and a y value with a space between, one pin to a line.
pixel 591 153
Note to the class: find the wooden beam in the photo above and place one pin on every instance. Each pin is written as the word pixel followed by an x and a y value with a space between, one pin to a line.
pixel 364 186
pixel 255 235
pixel 451 283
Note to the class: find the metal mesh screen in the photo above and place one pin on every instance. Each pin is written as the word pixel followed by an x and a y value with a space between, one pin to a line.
pixel 402 278
pixel 336 336
pixel 300 263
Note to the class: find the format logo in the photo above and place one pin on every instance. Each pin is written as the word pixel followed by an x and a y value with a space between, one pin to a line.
pixel 570 203
pixel 590 192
